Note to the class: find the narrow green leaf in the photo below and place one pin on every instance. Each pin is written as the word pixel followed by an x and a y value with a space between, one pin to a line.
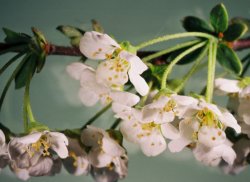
pixel 241 20
pixel 40 62
pixel 14 37
pixel 157 71
pixel 12 60
pixel 70 31
pixel 28 67
pixel 235 31
pixel 5 48
pixel 188 58
pixel 194 24
pixel 228 59
pixel 219 18
pixel 12 77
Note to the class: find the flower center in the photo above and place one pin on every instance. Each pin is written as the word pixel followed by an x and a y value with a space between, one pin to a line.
pixel 208 118
pixel 149 126
pixel 171 104
pixel 42 145
pixel 74 157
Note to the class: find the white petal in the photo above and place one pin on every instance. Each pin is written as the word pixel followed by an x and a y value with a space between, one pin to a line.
pixel 136 63
pixel 178 145
pixel 131 130
pixel 95 45
pixel 88 97
pixel 139 83
pixel 243 110
pixel 153 145
pixel 225 86
pixel 28 139
pixel 228 120
pixel 59 144
pixel 124 98
pixel 169 131
pixel 98 158
pixel 75 69
pixel 111 147
pixel 122 111
pixel 91 135
pixel 210 136
pixel 2 138
pixel 245 92
pixel 211 107
pixel 22 174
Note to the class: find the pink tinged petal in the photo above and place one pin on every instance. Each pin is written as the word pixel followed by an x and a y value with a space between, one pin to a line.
pixel 111 147
pixel 228 154
pixel 2 138
pixel 28 139
pixel 169 131
pixel 165 117
pixel 225 86
pixel 245 93
pixel 75 69
pixel 210 136
pixel 99 158
pixel 124 98
pixel 22 174
pixel 95 45
pixel 91 136
pixel 229 121
pixel 179 144
pixel 83 166
pixel 131 130
pixel 188 127
pixel 122 111
pixel 243 110
pixel 153 145
pixel 148 114
pixel 139 83
pixel 88 97
pixel 59 144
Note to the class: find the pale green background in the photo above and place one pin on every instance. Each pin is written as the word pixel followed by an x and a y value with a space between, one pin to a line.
pixel 54 94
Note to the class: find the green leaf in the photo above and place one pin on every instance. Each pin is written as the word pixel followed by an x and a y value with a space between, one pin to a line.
pixel 28 67
pixel 14 37
pixel 241 20
pixel 40 62
pixel 194 24
pixel 188 58
pixel 219 18
pixel 235 31
pixel 157 71
pixel 97 26
pixel 228 59
pixel 2 69
pixel 70 31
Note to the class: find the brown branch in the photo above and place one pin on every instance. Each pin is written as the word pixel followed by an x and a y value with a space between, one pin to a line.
pixel 74 51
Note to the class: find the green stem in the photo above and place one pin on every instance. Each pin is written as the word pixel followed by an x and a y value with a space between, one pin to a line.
pixel 97 115
pixel 193 69
pixel 115 124
pixel 27 111
pixel 178 58
pixel 211 70
pixel 174 36
pixel 171 49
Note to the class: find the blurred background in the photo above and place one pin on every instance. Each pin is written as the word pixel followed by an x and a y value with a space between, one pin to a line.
pixel 54 94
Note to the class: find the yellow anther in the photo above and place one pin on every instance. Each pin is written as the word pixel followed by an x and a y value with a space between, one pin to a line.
pixel 171 104
pixel 149 126
pixel 73 155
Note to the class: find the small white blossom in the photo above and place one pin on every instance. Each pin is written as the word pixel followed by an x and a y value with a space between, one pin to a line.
pixel 77 162
pixel 31 155
pixel 104 149
pixel 4 157
pixel 206 127
pixel 119 65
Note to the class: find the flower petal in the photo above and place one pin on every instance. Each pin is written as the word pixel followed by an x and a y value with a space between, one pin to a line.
pixel 139 83
pixel 169 131
pixel 98 158
pixel 179 144
pixel 111 147
pixel 75 69
pixel 225 86
pixel 59 144
pixel 28 139
pixel 2 138
pixel 95 45
pixel 124 98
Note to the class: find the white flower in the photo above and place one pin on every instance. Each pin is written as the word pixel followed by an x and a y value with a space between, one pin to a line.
pixel 224 86
pixel 206 127
pixel 4 157
pixel 92 91
pixel 212 156
pixel 165 108
pixel 104 149
pixel 119 65
pixel 31 155
pixel 77 162
pixel 95 45
pixel 117 71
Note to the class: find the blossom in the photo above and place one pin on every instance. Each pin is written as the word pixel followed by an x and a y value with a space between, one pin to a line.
pixel 95 45
pixel 77 162
pixel 105 151
pixel 119 64
pixel 4 157
pixel 206 127
pixel 31 155
pixel 212 156
pixel 92 91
